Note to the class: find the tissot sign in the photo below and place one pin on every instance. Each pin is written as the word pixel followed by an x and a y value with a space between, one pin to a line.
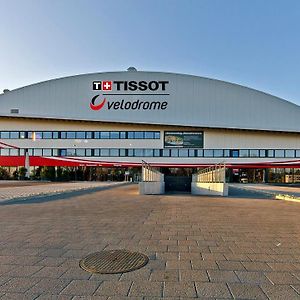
pixel 136 89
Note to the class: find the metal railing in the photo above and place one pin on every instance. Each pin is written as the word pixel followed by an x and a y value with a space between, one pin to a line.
pixel 216 173
pixel 149 174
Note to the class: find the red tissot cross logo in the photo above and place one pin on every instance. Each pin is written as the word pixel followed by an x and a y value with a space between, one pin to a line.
pixel 106 85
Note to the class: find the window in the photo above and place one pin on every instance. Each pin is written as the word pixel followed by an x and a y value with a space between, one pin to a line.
pixel 191 152
pixel 270 153
pixel 104 152
pixel 55 152
pixel 71 135
pixel 166 153
pixel 122 152
pixel 114 152
pixel 23 134
pixel 104 134
pixel 96 135
pixel 290 153
pixel 114 135
pixel 208 153
pixel 138 152
pixel 234 153
pixel 174 152
pixel 88 152
pixel 279 153
pixel 71 152
pixel 139 135
pixel 199 152
pixel 297 153
pixel 5 152
pixel 14 152
pixel 38 152
pixel 149 135
pixel 254 153
pixel 130 152
pixel 14 134
pixel 47 135
pixel 89 135
pixel 244 153
pixel 148 152
pixel 47 152
pixel 262 153
pixel 4 135
pixel 63 135
pixel 218 153
pixel 80 152
pixel 80 135
pixel 183 152
pixel 122 135
pixel 157 135
pixel 156 152
pixel 55 135
pixel 226 153
pixel 96 152
pixel 130 134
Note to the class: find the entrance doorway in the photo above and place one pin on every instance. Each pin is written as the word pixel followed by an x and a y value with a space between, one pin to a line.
pixel 178 179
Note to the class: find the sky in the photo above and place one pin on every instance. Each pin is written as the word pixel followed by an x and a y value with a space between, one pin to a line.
pixel 255 43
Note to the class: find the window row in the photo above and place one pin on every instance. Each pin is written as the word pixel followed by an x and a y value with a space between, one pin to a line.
pixel 114 152
pixel 79 135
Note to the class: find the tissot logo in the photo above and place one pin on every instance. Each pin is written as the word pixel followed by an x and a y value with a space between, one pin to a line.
pixel 130 88
pixel 107 85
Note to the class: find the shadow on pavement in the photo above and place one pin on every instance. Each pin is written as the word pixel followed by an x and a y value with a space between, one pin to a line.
pixel 55 197
pixel 243 193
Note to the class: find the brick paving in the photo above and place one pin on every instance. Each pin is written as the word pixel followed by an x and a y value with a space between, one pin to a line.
pixel 205 247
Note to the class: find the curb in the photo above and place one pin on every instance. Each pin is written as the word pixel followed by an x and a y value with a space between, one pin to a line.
pixel 287 197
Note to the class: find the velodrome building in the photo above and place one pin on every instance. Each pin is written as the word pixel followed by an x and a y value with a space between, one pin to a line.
pixel 118 119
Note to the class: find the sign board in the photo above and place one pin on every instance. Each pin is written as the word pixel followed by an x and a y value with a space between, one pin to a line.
pixel 186 139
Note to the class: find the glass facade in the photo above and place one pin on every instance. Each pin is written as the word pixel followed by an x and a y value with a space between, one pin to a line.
pixel 79 135
pixel 145 152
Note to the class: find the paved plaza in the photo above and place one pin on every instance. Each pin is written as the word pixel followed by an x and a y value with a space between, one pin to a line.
pixel 205 247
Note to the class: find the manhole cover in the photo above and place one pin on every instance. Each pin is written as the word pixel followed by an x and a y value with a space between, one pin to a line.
pixel 113 261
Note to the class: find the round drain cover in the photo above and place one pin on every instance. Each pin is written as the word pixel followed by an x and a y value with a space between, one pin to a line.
pixel 113 261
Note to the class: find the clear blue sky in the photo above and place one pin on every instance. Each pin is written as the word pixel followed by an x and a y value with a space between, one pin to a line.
pixel 250 42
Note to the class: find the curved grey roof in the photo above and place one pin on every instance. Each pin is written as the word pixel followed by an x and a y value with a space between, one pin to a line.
pixel 191 101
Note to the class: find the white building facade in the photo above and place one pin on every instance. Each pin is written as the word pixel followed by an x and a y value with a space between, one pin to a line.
pixel 118 119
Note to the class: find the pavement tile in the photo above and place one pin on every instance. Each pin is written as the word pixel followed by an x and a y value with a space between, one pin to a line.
pixel 279 292
pixel 178 264
pixel 193 275
pixel 113 288
pixel 53 252
pixel 51 262
pixel 146 288
pixel 282 278
pixel 18 285
pixel 256 266
pixel 81 288
pixel 167 275
pixel 179 289
pixel 54 286
pixel 210 289
pixel 23 271
pixel 252 277
pixel 246 291
pixel 76 273
pixel 53 297
pixel 281 267
pixel 141 274
pixel 230 265
pixel 204 265
pixel 222 276
pixel 50 272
